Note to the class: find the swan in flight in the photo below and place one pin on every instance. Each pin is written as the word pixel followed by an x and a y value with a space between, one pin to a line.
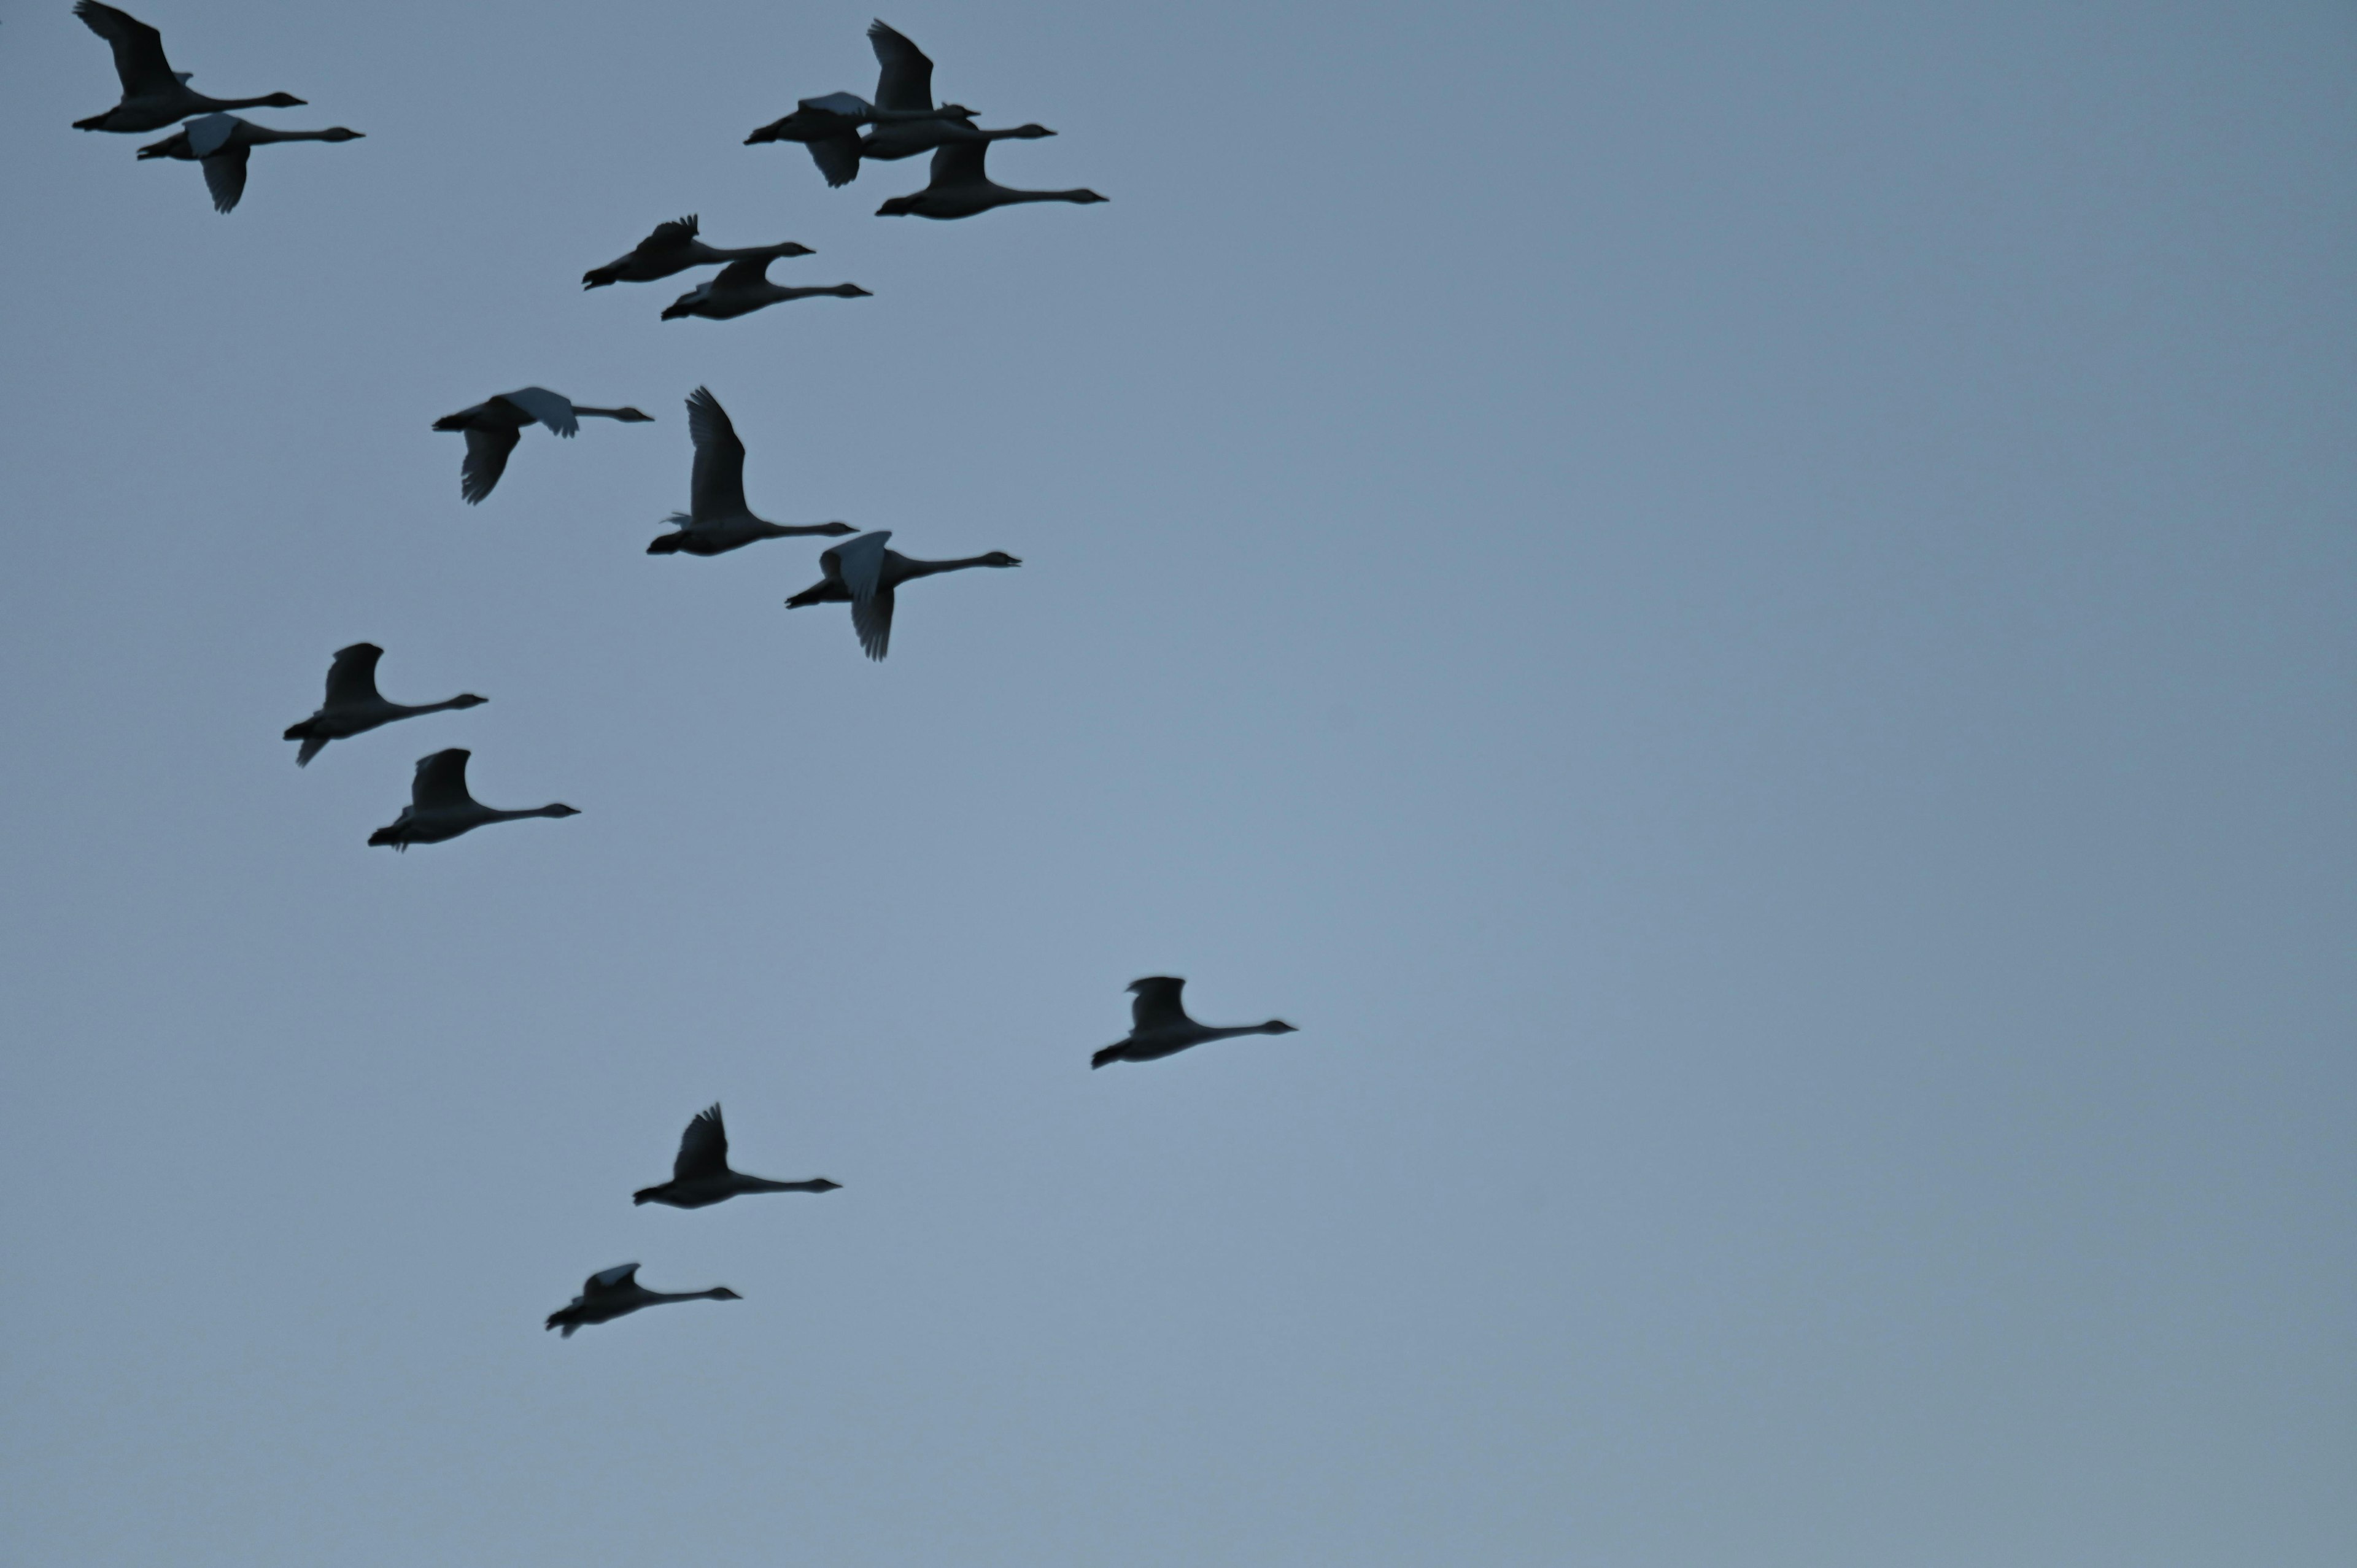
pixel 221 145
pixel 673 248
pixel 718 520
pixel 616 1293
pixel 905 124
pixel 494 427
pixel 700 1176
pixel 439 807
pixel 863 574
pixel 1159 1025
pixel 960 187
pixel 154 94
pixel 353 706
pixel 744 288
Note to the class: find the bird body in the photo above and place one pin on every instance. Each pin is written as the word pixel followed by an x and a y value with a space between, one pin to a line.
pixel 700 1176
pixel 863 574
pixel 154 94
pixel 440 809
pixel 744 288
pixel 717 519
pixel 494 427
pixel 673 248
pixel 616 1293
pixel 1159 1025
pixel 962 186
pixel 220 144
pixel 902 121
pixel 352 705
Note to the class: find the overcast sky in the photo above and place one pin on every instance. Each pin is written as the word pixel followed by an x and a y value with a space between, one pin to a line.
pixel 1743 611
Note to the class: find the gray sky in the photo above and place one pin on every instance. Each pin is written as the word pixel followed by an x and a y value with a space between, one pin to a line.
pixel 1742 611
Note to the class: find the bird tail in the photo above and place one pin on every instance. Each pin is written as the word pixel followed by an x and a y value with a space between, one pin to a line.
pixel 644 1195
pixel 1110 1054
pixel 666 544
pixel 312 746
pixel 386 836
pixel 451 421
pixel 599 277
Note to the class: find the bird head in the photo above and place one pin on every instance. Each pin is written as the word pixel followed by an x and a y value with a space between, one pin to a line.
pixel 722 1292
pixel 467 700
pixel 1084 197
pixel 560 810
pixel 281 100
pixel 1278 1026
pixel 337 132
pixel 1001 558
pixel 1031 133
pixel 851 291
pixel 819 1183
pixel 838 528
pixel 632 416
pixel 792 248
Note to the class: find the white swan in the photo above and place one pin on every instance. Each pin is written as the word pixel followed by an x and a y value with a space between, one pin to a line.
pixel 439 807
pixel 700 1176
pixel 863 574
pixel 221 145
pixel 353 706
pixel 495 425
pixel 718 520
pixel 616 1293
pixel 1159 1025
pixel 962 186
pixel 744 288
pixel 154 94
pixel 673 248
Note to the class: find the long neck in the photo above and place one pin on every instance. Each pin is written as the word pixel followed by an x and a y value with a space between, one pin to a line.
pixel 407 712
pixel 762 1184
pixel 265 134
pixel 1049 195
pixel 548 811
pixel 601 412
pixel 717 1293
pixel 220 105
pixel 934 568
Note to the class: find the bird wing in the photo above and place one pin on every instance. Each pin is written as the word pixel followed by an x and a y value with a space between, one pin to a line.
pixel 906 81
pixel 620 1277
pixel 738 274
pixel 837 156
pixel 138 48
pixel 716 490
pixel 848 104
pixel 960 163
pixel 702 1148
pixel 487 459
pixel 351 679
pixel 871 617
pixel 551 409
pixel 225 175
pixel 209 133
pixel 671 236
pixel 1157 1004
pixel 441 781
pixel 860 564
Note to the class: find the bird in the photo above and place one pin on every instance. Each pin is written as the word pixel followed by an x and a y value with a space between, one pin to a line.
pixel 353 706
pixel 700 1176
pixel 822 120
pixel 718 520
pixel 439 807
pixel 863 574
pixel 961 186
pixel 903 121
pixel 616 1293
pixel 673 248
pixel 220 144
pixel 154 94
pixel 494 427
pixel 743 287
pixel 1159 1025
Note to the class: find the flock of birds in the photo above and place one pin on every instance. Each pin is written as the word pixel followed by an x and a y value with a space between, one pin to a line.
pixel 840 130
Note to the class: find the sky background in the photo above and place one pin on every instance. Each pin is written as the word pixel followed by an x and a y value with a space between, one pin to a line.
pixel 1742 611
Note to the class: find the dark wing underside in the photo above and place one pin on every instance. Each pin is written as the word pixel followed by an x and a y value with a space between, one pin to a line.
pixel 1157 1004
pixel 716 486
pixel 906 78
pixel 441 781
pixel 138 48
pixel 837 157
pixel 871 617
pixel 960 163
pixel 351 679
pixel 225 175
pixel 702 1148
pixel 487 459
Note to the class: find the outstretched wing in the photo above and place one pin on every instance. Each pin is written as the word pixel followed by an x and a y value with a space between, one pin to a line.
pixel 716 490
pixel 487 459
pixel 872 620
pixel 621 1276
pixel 225 176
pixel 960 163
pixel 702 1148
pixel 138 48
pixel 1157 1004
pixel 671 236
pixel 848 104
pixel 441 781
pixel 209 133
pixel 837 156
pixel 906 81
pixel 551 409
pixel 860 564
pixel 351 679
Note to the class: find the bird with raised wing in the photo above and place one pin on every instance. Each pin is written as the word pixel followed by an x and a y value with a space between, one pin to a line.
pixel 495 425
pixel 220 144
pixel 716 518
pixel 440 809
pixel 154 94
pixel 674 247
pixel 616 1293
pixel 744 288
pixel 1159 1025
pixel 353 706
pixel 962 186
pixel 863 574
pixel 829 127
pixel 700 1176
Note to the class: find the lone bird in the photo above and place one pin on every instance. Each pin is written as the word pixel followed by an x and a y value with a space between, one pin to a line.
pixel 1159 1025
pixel 716 518
pixel 962 186
pixel 673 248
pixel 154 94
pixel 700 1176
pixel 616 1293
pixel 494 427
pixel 220 144
pixel 863 574
pixel 440 809
pixel 353 706
pixel 744 288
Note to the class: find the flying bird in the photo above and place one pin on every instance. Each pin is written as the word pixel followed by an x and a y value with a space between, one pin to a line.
pixel 716 518
pixel 439 807
pixel 744 288
pixel 827 123
pixel 154 94
pixel 902 124
pixel 673 248
pixel 960 187
pixel 616 1293
pixel 353 706
pixel 863 574
pixel 220 144
pixel 493 428
pixel 700 1176
pixel 1159 1025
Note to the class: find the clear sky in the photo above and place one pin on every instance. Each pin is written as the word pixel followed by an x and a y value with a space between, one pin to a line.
pixel 1742 611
